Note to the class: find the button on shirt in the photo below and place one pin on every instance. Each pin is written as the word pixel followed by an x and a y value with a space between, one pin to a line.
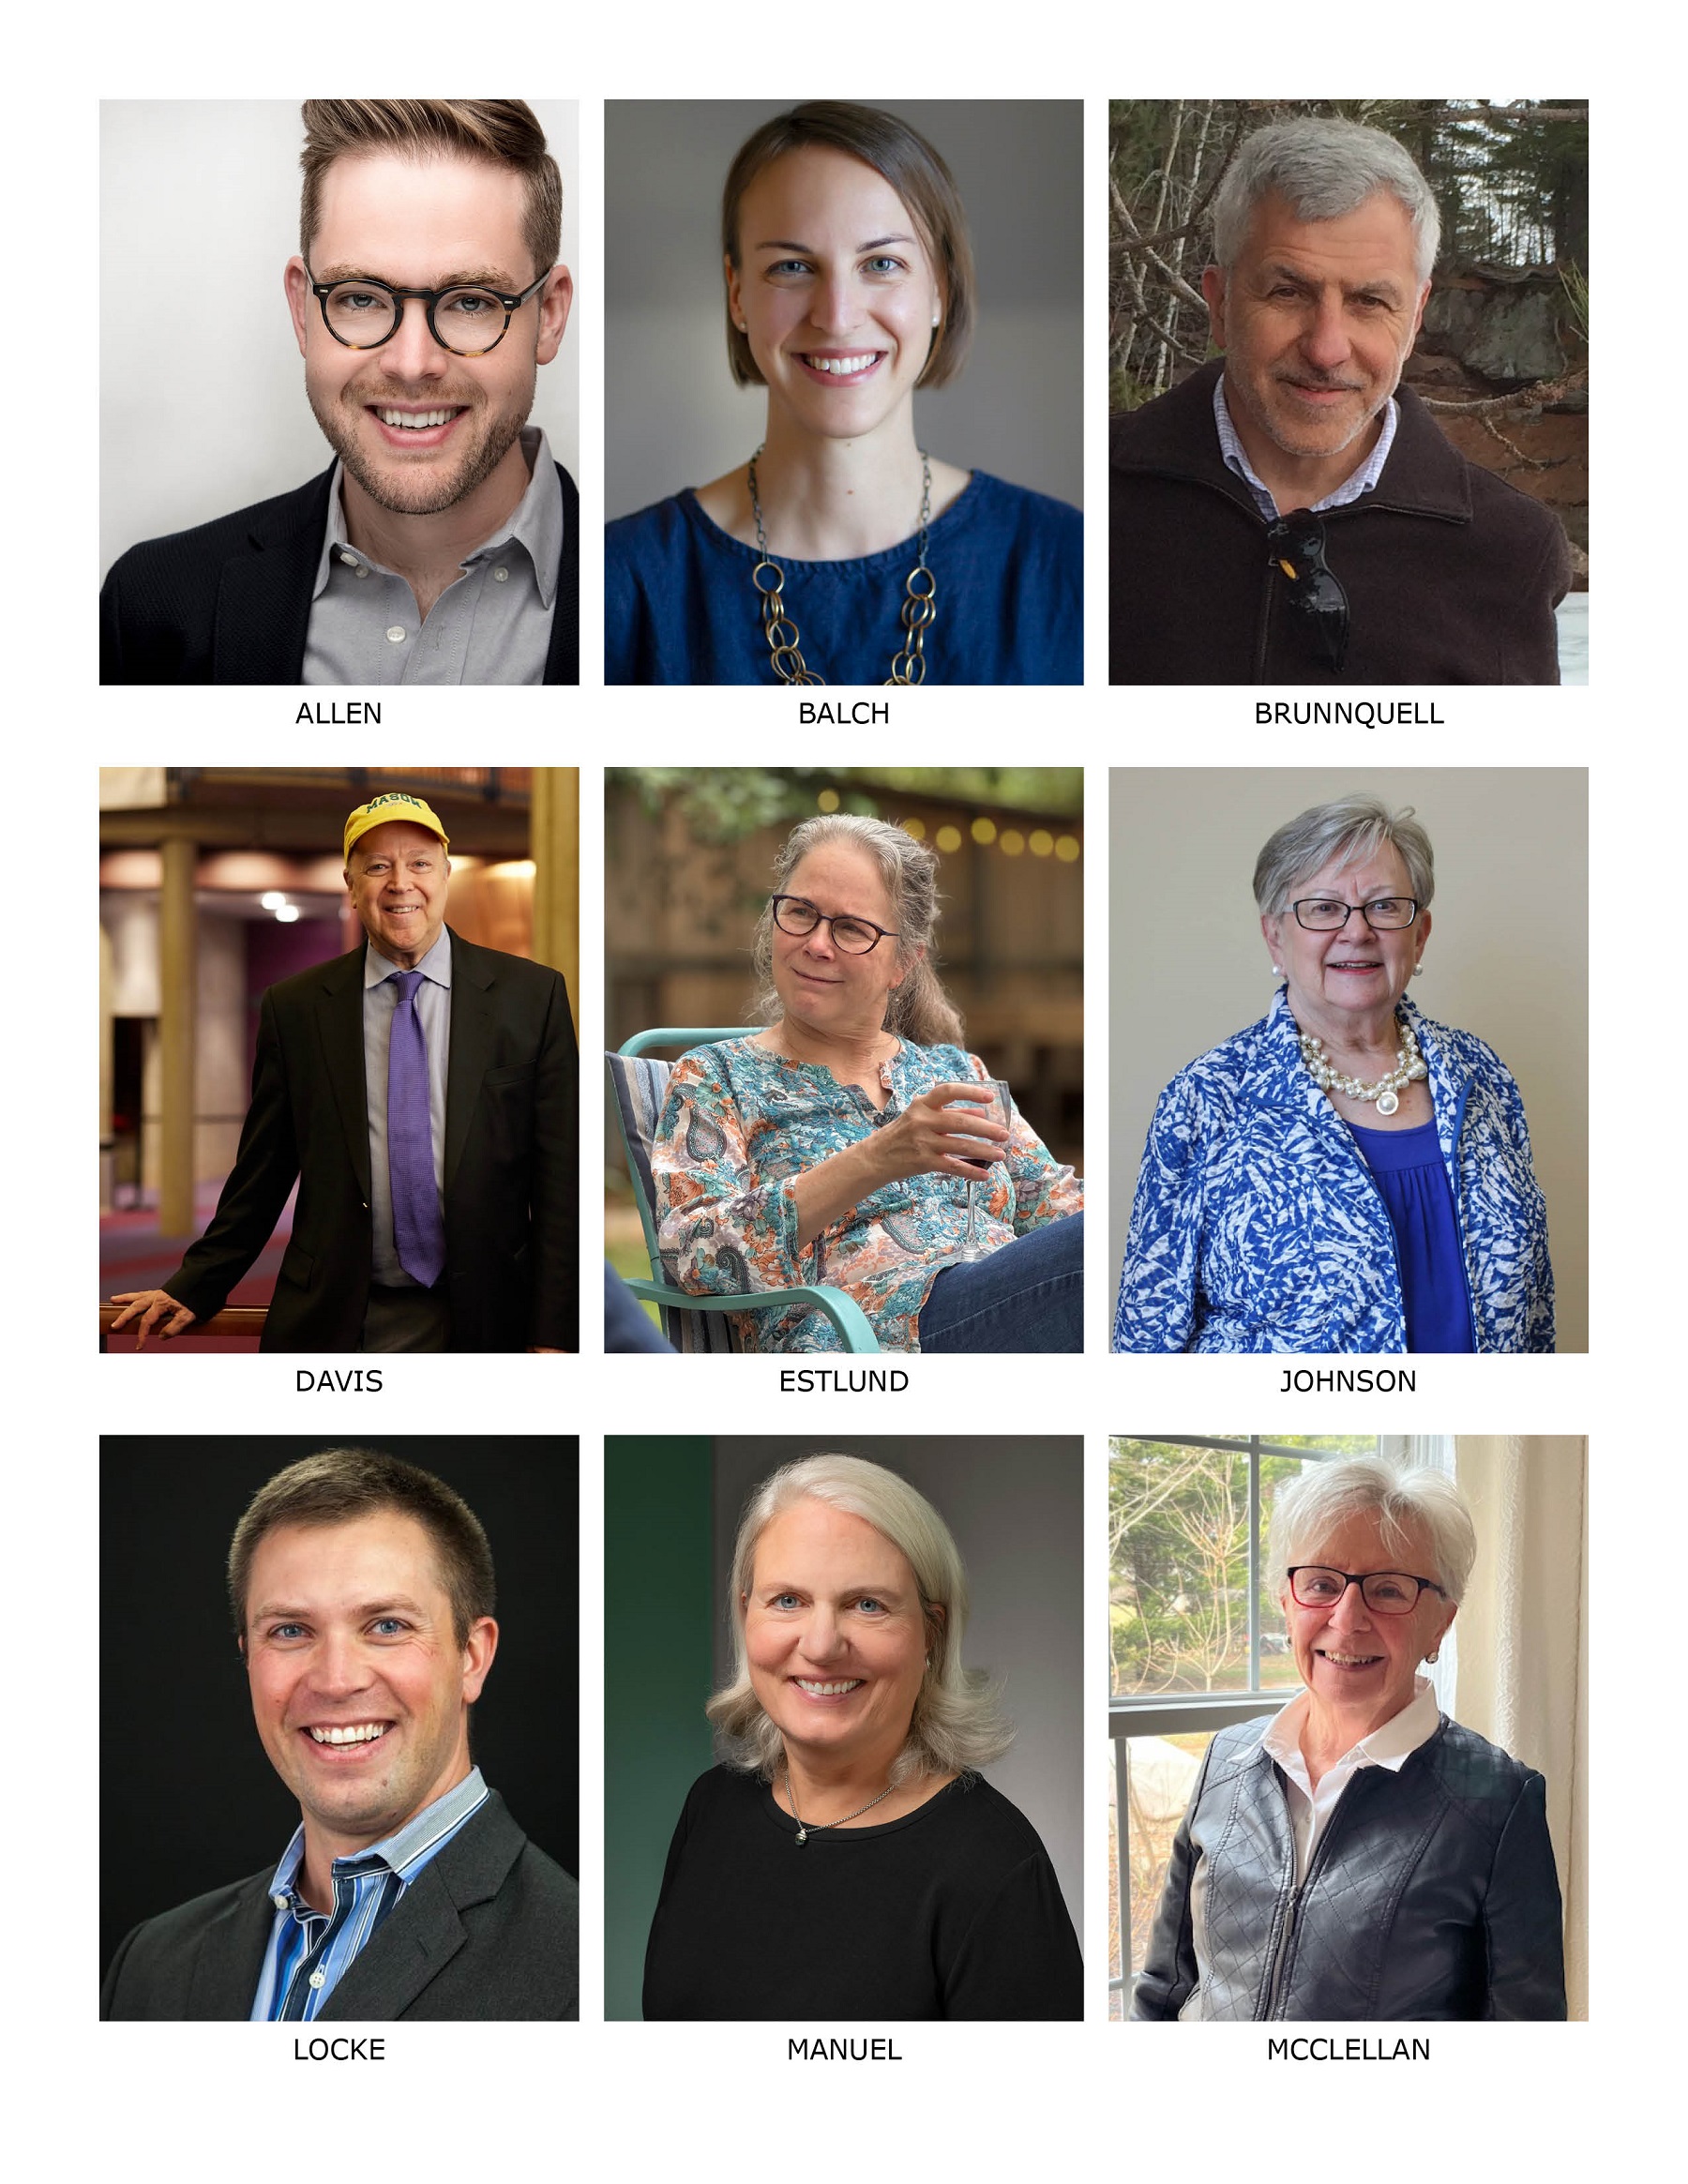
pixel 309 1950
pixel 491 624
pixel 1390 1746
pixel 1364 479
pixel 433 1007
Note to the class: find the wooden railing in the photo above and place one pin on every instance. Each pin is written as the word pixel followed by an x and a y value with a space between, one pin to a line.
pixel 232 1322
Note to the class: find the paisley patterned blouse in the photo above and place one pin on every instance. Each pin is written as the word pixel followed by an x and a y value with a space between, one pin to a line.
pixel 740 1124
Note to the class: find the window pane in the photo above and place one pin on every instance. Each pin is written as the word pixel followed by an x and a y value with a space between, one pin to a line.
pixel 1177 1580
pixel 1160 1775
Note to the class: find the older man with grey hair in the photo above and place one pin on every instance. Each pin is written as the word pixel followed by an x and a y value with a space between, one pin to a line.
pixel 1290 513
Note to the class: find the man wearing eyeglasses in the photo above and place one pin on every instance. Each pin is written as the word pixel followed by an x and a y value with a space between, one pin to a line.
pixel 443 544
pixel 1292 513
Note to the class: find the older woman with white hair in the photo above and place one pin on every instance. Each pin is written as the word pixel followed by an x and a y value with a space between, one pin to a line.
pixel 1344 1175
pixel 856 1141
pixel 1360 1855
pixel 848 1859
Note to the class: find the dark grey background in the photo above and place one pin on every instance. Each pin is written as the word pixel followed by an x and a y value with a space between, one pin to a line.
pixel 1016 1508
pixel 672 416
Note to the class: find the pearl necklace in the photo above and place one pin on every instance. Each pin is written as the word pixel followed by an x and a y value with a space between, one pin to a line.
pixel 1409 1065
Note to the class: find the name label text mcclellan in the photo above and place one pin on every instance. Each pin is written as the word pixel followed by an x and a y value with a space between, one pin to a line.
pixel 330 713
pixel 1320 2048
pixel 1360 1380
pixel 1345 713
pixel 347 2048
pixel 819 2050
pixel 846 1380
pixel 353 1380
pixel 836 712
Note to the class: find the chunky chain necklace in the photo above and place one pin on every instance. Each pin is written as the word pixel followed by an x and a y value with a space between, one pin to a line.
pixel 1409 1064
pixel 821 1826
pixel 919 607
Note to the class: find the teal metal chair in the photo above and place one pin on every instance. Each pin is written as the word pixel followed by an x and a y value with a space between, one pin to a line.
pixel 696 1323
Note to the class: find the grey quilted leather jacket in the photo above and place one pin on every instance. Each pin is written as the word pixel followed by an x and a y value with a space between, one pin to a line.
pixel 1431 1893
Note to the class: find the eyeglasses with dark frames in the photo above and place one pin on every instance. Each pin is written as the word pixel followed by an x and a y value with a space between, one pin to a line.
pixel 1385 914
pixel 1385 1591
pixel 364 313
pixel 795 914
pixel 1296 544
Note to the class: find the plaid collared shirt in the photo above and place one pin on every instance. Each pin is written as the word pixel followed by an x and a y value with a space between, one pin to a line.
pixel 1364 479
pixel 309 1950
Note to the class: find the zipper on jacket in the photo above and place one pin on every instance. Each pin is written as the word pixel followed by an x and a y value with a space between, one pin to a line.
pixel 1287 1932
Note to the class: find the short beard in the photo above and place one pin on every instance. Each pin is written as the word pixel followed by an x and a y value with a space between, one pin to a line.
pixel 424 495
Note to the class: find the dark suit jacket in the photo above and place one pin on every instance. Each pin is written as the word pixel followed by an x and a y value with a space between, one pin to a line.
pixel 487 1930
pixel 511 1154
pixel 230 601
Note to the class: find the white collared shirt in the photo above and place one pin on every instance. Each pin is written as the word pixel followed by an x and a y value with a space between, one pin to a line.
pixel 1390 1746
pixel 1357 483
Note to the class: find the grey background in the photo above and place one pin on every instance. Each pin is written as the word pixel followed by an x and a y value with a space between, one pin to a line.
pixel 672 415
pixel 1015 1509
pixel 1507 958
pixel 192 428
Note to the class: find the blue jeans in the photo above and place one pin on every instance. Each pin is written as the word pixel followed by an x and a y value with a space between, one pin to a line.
pixel 627 1323
pixel 1028 1295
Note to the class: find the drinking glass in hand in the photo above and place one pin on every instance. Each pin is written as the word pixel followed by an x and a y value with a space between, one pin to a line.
pixel 1001 1109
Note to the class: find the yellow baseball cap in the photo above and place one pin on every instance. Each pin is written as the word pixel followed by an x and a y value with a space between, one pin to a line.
pixel 392 803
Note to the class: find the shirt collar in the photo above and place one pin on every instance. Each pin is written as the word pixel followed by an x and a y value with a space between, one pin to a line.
pixel 398 1851
pixel 1363 480
pixel 435 965
pixel 536 528
pixel 1391 1744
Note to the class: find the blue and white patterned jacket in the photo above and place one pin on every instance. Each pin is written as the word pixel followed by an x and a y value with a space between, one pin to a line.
pixel 1257 1227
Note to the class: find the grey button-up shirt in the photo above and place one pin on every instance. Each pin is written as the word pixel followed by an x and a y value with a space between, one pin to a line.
pixel 433 1006
pixel 491 624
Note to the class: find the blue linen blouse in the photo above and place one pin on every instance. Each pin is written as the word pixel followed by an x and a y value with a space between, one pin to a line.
pixel 1407 1168
pixel 679 606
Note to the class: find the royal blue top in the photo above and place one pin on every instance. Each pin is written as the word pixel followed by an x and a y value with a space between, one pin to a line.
pixel 1407 1168
pixel 679 606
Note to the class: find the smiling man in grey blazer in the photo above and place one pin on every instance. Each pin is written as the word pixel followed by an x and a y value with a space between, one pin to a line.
pixel 362 1594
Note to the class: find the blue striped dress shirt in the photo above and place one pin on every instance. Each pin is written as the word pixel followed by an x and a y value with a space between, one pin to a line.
pixel 309 1949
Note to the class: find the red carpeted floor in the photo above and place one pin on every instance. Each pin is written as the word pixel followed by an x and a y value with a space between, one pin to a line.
pixel 133 1256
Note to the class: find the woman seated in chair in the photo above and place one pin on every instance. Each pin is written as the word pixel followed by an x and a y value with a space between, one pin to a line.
pixel 844 1144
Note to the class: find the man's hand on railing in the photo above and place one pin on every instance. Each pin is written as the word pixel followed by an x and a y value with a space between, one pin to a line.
pixel 158 1312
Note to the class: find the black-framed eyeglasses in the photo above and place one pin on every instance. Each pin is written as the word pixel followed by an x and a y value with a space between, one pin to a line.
pixel 1296 543
pixel 795 914
pixel 1387 913
pixel 1385 1591
pixel 468 322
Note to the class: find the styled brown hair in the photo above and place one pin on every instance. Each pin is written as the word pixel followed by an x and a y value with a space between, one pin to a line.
pixel 919 177
pixel 338 1485
pixel 502 133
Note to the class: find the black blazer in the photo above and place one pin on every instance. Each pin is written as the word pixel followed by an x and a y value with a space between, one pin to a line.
pixel 488 1930
pixel 511 1154
pixel 230 601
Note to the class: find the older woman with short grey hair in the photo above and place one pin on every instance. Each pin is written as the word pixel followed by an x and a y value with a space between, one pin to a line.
pixel 1360 1855
pixel 848 1861
pixel 1344 1175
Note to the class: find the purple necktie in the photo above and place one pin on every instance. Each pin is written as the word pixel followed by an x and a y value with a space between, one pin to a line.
pixel 418 1231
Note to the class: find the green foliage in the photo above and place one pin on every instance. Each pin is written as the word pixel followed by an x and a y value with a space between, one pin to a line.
pixel 722 805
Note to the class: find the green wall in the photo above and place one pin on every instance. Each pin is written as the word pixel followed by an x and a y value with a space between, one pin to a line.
pixel 658 1672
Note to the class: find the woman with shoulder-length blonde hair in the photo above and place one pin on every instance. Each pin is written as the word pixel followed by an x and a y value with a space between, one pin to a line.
pixel 841 550
pixel 855 1141
pixel 848 1859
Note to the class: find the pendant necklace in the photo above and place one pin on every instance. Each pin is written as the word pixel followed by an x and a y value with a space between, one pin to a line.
pixel 919 607
pixel 820 1826
pixel 1409 1066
